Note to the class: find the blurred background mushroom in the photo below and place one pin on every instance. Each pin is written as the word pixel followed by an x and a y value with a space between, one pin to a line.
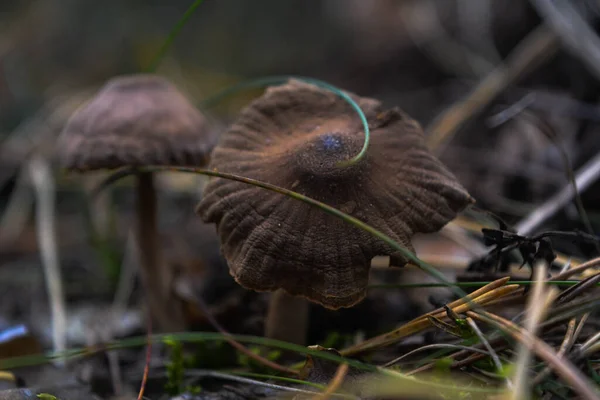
pixel 136 121
pixel 295 136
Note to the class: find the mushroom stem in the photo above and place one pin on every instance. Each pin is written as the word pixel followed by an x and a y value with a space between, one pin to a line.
pixel 155 277
pixel 287 318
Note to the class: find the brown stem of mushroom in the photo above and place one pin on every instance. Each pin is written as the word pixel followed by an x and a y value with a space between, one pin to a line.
pixel 155 277
pixel 287 318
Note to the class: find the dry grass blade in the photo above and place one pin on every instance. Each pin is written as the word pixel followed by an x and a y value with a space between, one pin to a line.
pixel 489 348
pixel 565 346
pixel 456 364
pixel 594 348
pixel 574 308
pixel 537 307
pixel 590 342
pixel 584 177
pixel 515 298
pixel 571 309
pixel 424 322
pixel 480 297
pixel 435 346
pixel 574 271
pixel 470 354
pixel 444 326
pixel 564 368
pixel 220 375
pixel 7 376
pixel 476 293
pixel 582 322
pixel 43 182
pixel 423 25
pixel 538 46
pixel 574 291
pixel 574 31
pixel 147 363
pixel 335 383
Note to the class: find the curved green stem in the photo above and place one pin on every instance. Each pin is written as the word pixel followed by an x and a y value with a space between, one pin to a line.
pixel 315 203
pixel 272 80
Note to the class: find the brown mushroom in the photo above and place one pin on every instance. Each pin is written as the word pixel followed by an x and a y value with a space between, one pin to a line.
pixel 140 120
pixel 295 136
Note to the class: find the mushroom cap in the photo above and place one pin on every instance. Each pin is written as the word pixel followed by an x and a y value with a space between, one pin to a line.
pixel 292 137
pixel 136 120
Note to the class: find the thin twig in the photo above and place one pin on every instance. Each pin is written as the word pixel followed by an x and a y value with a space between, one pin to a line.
pixel 147 361
pixel 424 27
pixel 478 298
pixel 475 24
pixel 575 291
pixel 537 307
pixel 573 30
pixel 512 111
pixel 582 322
pixel 43 182
pixel 593 348
pixel 489 348
pixel 459 363
pixel 574 271
pixel 220 375
pixel 550 133
pixel 584 177
pixel 435 346
pixel 588 343
pixel 564 368
pixel 536 48
pixel 335 383
pixel 565 346
pixel 566 267
pixel 574 308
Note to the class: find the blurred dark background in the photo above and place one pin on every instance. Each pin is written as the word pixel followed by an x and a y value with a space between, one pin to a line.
pixel 420 55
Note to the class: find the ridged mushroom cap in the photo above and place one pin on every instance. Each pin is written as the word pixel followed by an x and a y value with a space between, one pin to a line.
pixel 294 136
pixel 136 120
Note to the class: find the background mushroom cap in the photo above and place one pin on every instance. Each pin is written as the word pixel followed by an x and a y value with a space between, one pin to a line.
pixel 136 120
pixel 292 137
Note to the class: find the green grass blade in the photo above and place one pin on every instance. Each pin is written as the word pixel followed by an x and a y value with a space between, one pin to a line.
pixel 274 80
pixel 172 35
pixel 324 207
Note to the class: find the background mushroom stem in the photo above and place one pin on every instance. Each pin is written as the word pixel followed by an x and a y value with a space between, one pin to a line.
pixel 155 276
pixel 287 318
